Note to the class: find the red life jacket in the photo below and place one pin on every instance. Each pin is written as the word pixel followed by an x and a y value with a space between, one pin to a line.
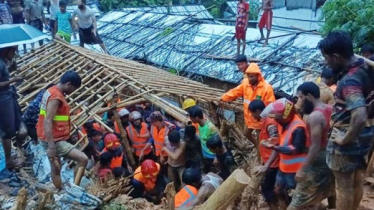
pixel 138 142
pixel 292 163
pixel 185 196
pixel 61 121
pixel 264 135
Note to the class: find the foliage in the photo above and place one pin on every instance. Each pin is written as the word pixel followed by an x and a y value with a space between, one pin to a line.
pixel 354 16
pixel 108 5
pixel 167 31
pixel 254 9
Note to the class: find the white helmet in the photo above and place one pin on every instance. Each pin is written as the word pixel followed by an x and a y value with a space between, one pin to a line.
pixel 135 115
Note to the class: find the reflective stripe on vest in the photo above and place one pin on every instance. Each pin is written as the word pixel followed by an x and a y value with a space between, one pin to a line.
pixel 58 118
pixel 188 201
pixel 138 146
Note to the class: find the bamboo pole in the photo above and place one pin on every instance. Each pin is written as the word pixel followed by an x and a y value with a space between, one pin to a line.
pixel 230 189
pixel 21 199
pixel 125 141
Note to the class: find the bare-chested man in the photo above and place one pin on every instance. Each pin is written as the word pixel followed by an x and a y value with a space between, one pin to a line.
pixel 266 19
pixel 315 179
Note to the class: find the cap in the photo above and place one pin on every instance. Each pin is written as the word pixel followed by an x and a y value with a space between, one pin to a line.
pixel 123 112
pixel 111 141
pixel 189 102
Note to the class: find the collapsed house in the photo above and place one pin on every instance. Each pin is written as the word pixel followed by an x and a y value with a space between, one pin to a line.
pixel 102 77
pixel 205 51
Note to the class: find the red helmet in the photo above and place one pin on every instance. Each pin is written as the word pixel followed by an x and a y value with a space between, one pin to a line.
pixel 111 141
pixel 282 110
pixel 149 169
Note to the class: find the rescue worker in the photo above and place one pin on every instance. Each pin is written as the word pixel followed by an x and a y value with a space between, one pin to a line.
pixel 292 149
pixel 189 191
pixel 148 182
pixel 206 183
pixel 159 132
pixel 254 88
pixel 139 136
pixel 269 157
pixel 124 115
pixel 53 128
pixel 187 104
pixel 113 146
pixel 315 179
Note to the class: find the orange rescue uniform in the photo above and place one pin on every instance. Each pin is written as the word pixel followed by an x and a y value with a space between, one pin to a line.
pixel 61 121
pixel 264 135
pixel 116 161
pixel 139 142
pixel 149 184
pixel 292 163
pixel 262 91
pixel 185 196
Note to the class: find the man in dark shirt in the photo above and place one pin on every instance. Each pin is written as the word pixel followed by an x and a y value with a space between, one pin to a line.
pixel 352 130
pixel 10 112
pixel 224 156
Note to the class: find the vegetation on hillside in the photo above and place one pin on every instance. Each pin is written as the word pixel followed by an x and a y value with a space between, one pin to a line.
pixel 354 16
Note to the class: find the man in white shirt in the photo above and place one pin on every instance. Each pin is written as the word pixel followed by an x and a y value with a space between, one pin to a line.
pixel 87 25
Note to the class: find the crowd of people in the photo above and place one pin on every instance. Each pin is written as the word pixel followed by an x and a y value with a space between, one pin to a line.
pixel 311 150
pixel 61 24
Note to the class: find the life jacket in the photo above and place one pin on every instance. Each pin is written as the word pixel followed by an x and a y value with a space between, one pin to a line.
pixel 159 137
pixel 327 111
pixel 116 127
pixel 264 135
pixel 137 142
pixel 149 184
pixel 116 161
pixel 293 162
pixel 61 121
pixel 184 197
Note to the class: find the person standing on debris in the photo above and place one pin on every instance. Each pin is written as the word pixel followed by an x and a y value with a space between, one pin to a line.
pixel 352 129
pixel 269 157
pixel 292 148
pixel 315 179
pixel 254 88
pixel 224 156
pixel 206 129
pixel 52 18
pixel 326 93
pixel 176 150
pixel 159 132
pixel 10 112
pixel 63 23
pixel 140 137
pixel 87 25
pixel 266 20
pixel 35 16
pixel 54 126
pixel 242 63
pixel 148 182
pixel 5 13
pixel 206 183
pixel 241 24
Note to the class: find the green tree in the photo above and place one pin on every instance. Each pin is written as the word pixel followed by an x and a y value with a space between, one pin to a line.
pixel 354 16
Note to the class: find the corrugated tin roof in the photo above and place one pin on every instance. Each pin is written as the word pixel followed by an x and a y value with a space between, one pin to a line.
pixel 197 11
pixel 192 48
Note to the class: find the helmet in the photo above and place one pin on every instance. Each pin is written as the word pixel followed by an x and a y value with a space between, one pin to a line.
pixel 111 141
pixel 282 110
pixel 149 169
pixel 123 112
pixel 189 102
pixel 135 115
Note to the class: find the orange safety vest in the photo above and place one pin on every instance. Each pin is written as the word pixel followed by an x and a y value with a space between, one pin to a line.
pixel 116 161
pixel 61 121
pixel 196 125
pixel 159 138
pixel 148 183
pixel 292 163
pixel 96 127
pixel 264 135
pixel 185 196
pixel 137 142
pixel 116 127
